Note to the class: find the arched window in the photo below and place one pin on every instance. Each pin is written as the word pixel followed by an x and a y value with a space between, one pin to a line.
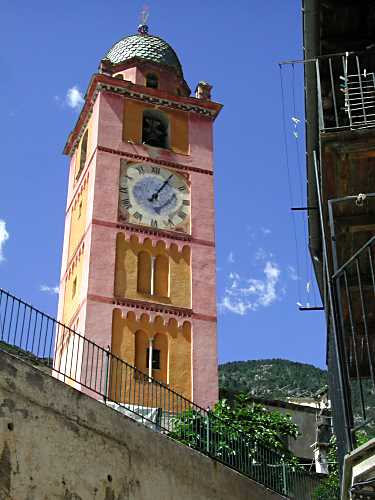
pixel 144 273
pixel 161 276
pixel 159 347
pixel 155 128
pixel 152 81
pixel 82 159
pixel 153 275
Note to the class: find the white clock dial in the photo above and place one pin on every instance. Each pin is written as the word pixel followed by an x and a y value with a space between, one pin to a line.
pixel 154 196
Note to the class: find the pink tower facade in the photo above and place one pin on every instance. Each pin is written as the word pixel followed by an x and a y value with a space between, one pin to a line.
pixel 138 266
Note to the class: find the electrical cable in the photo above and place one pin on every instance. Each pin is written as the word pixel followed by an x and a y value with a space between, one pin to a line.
pixel 289 181
pixel 309 277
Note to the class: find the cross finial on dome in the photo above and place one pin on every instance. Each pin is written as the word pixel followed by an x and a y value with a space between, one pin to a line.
pixel 143 27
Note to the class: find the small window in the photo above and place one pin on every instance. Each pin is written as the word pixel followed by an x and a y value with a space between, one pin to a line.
pixel 74 287
pixel 82 160
pixel 155 129
pixel 155 359
pixel 152 81
pixel 79 209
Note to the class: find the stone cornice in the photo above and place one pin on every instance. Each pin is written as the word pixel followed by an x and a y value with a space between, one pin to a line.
pixel 172 236
pixel 101 82
pixel 158 161
pixel 153 307
pixel 144 305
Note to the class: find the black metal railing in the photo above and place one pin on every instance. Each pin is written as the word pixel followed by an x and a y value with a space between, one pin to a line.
pixel 354 304
pixel 97 372
pixel 346 91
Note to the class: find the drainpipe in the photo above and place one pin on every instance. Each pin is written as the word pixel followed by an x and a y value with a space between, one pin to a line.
pixel 150 344
pixel 152 287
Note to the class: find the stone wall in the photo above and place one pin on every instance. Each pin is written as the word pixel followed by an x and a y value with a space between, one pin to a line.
pixel 57 443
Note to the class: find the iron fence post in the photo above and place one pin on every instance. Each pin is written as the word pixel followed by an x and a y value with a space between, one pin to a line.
pixel 284 479
pixel 208 431
pixel 106 371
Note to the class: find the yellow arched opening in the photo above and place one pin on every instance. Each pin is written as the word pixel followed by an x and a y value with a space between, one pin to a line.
pixel 155 128
pixel 161 276
pixel 144 273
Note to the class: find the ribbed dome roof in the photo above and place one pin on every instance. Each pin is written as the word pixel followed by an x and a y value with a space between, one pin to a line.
pixel 148 47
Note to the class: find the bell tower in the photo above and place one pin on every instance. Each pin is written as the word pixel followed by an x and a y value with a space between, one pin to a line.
pixel 138 267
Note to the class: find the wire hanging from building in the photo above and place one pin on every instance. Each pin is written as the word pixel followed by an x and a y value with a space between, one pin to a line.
pixel 291 125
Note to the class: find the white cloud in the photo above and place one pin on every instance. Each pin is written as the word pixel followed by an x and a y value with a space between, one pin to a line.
pixel 261 255
pixel 231 258
pixel 265 231
pixel 74 98
pixel 49 289
pixel 243 295
pixel 293 273
pixel 4 236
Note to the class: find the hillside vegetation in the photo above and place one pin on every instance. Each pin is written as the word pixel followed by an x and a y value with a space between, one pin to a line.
pixel 270 379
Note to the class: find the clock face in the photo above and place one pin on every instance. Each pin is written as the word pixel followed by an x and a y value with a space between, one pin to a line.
pixel 154 196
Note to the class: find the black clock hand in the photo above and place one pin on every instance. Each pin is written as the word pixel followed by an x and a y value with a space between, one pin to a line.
pixel 159 209
pixel 156 194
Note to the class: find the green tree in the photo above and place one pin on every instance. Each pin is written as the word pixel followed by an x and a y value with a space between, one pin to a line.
pixel 244 435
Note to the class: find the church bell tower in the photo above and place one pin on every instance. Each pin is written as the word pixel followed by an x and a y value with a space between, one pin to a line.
pixel 138 268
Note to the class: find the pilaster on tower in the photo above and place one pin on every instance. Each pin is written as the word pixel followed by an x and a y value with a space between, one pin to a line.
pixel 138 269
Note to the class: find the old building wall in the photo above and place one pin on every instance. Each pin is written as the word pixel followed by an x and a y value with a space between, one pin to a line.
pixel 57 443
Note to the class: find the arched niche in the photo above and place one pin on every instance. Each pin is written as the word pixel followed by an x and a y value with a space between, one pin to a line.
pixel 144 273
pixel 161 276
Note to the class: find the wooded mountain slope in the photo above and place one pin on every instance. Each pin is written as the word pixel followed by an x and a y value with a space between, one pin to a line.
pixel 270 379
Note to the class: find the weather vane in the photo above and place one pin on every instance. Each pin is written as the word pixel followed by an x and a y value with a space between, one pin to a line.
pixel 145 13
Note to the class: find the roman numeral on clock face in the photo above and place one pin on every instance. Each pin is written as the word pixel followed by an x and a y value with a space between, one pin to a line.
pixel 155 170
pixel 140 169
pixel 154 223
pixel 169 223
pixel 126 203
pixel 138 216
pixel 124 190
pixel 181 214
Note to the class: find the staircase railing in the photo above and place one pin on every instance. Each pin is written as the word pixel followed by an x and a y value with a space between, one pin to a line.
pixel 96 371
pixel 354 301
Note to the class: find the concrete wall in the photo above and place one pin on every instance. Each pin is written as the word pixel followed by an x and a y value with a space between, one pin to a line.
pixel 57 443
pixel 304 417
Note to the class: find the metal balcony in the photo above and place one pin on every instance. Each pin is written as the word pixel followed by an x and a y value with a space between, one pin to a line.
pixel 346 91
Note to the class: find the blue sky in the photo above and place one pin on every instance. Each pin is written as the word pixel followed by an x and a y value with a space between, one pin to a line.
pixel 51 49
